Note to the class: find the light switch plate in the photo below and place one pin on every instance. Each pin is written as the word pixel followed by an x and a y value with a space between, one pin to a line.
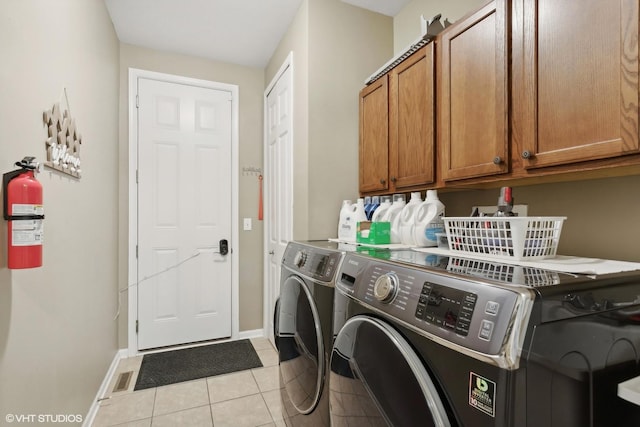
pixel 247 224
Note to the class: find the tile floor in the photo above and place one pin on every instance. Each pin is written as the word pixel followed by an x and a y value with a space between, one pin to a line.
pixel 248 398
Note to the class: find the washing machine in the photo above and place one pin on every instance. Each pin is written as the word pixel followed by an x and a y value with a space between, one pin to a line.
pixel 303 329
pixel 429 340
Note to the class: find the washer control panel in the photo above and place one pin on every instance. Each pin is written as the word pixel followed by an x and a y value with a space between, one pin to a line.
pixel 385 289
pixel 446 307
pixel 475 315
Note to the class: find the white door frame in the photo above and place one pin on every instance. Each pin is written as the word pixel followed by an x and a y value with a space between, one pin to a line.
pixel 288 63
pixel 134 74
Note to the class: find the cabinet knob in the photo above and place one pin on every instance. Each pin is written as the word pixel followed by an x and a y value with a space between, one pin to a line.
pixel 497 160
pixel 393 179
pixel 383 182
pixel 526 154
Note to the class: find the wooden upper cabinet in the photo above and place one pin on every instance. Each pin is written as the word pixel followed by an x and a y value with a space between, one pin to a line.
pixel 473 95
pixel 397 127
pixel 412 121
pixel 374 136
pixel 580 91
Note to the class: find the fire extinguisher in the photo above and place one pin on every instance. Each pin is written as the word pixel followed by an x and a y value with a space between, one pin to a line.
pixel 24 213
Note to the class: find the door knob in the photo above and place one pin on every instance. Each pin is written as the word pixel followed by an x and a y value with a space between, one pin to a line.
pixel 271 252
pixel 497 160
pixel 526 154
pixel 223 247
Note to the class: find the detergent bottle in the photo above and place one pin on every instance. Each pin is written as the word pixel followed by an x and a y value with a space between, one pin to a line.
pixel 344 226
pixel 406 219
pixel 428 220
pixel 393 216
pixel 379 213
pixel 375 203
pixel 359 216
pixel 367 205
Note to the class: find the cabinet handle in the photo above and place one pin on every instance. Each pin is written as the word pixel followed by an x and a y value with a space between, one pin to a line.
pixel 526 154
pixel 393 179
pixel 382 181
pixel 497 160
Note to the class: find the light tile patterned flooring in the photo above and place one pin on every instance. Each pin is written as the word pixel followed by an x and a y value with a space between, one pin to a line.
pixel 248 398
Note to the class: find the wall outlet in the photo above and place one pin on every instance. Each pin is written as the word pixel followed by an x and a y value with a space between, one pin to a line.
pixel 521 210
pixel 247 224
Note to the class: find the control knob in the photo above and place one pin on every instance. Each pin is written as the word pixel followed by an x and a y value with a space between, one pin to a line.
pixel 300 259
pixel 386 288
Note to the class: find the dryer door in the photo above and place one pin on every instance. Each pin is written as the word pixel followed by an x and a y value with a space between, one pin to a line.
pixel 300 347
pixel 378 379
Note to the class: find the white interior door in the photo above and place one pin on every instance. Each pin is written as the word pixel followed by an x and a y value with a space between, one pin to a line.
pixel 184 211
pixel 278 183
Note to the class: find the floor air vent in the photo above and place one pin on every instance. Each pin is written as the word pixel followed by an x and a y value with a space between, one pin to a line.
pixel 122 383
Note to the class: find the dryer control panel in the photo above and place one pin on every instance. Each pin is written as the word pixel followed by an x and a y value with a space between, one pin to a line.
pixel 478 316
pixel 316 263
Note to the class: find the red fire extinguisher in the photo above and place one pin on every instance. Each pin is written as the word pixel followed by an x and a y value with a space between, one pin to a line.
pixel 24 213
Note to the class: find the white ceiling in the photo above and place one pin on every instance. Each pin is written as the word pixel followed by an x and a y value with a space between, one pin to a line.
pixel 244 32
pixel 385 7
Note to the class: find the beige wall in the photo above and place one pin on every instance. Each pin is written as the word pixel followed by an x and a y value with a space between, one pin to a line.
pixel 347 44
pixel 602 215
pixel 335 47
pixel 406 24
pixel 57 327
pixel 248 251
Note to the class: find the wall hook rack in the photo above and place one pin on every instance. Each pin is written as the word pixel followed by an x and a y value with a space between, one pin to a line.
pixel 251 171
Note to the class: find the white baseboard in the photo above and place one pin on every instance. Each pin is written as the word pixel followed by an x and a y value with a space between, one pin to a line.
pixel 93 410
pixel 255 333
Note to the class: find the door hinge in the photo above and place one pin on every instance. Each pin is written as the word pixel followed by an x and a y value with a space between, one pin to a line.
pixel 137 101
pixel 137 177
pixel 136 326
pixel 136 251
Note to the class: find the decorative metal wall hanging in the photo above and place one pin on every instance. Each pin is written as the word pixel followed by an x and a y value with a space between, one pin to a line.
pixel 63 142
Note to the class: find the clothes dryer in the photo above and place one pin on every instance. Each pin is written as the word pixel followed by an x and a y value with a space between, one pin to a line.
pixel 303 329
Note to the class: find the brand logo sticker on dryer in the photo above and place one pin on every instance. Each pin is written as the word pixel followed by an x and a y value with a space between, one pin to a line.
pixel 482 394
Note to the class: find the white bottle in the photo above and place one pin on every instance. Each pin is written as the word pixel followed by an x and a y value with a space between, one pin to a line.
pixel 344 227
pixel 379 213
pixel 393 216
pixel 359 215
pixel 406 219
pixel 428 220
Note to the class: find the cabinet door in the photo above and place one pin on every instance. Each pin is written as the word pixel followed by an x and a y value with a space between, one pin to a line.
pixel 411 121
pixel 473 93
pixel 580 80
pixel 374 136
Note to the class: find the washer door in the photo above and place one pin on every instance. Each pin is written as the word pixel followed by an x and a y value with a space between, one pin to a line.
pixel 378 379
pixel 300 348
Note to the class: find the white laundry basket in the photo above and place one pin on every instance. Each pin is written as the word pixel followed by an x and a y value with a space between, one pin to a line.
pixel 511 237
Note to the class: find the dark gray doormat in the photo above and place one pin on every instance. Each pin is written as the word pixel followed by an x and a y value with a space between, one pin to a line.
pixel 198 362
